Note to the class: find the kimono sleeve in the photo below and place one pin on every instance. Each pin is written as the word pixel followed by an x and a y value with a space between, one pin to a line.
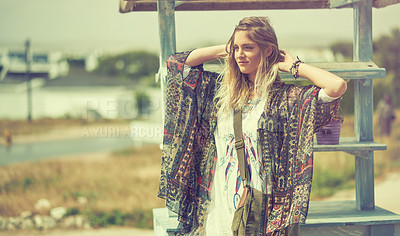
pixel 294 163
pixel 179 118
pixel 325 112
pixel 311 111
pixel 187 101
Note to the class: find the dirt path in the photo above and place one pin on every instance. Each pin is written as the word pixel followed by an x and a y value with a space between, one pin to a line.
pixel 72 132
pixel 387 193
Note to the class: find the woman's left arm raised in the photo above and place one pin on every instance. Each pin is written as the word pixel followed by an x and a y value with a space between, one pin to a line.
pixel 333 85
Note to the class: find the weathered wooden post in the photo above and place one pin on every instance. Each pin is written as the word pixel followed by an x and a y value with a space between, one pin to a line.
pixel 363 106
pixel 28 60
pixel 166 24
pixel 166 31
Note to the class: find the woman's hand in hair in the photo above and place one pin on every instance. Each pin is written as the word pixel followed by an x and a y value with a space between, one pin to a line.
pixel 286 61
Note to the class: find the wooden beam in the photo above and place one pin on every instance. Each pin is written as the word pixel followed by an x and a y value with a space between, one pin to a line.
pixel 384 3
pixel 207 5
pixel 221 5
pixel 342 3
pixel 130 6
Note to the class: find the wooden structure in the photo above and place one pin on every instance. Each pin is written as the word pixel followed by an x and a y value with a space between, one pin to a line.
pixel 212 5
pixel 359 217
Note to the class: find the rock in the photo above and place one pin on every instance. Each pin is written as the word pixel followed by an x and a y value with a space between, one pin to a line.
pixel 48 222
pixel 26 214
pixel 82 200
pixel 79 220
pixel 68 222
pixel 14 223
pixel 27 223
pixel 11 226
pixel 42 204
pixel 3 223
pixel 38 221
pixel 86 224
pixel 58 212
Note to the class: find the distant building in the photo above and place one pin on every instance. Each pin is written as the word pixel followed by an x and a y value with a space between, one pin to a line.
pixel 48 65
pixel 88 60
pixel 3 63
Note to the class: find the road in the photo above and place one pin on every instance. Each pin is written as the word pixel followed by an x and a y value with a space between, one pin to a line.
pixel 33 151
pixel 387 193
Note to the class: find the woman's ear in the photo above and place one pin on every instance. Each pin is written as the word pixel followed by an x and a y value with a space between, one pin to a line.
pixel 268 51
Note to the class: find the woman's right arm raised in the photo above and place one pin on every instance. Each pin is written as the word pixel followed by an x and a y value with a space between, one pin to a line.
pixel 201 55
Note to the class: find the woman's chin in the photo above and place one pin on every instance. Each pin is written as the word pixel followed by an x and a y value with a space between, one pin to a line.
pixel 243 70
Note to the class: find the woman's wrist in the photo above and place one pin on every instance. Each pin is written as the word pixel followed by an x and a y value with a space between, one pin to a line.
pixel 294 68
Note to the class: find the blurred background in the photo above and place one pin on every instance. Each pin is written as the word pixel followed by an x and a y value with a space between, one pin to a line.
pixel 81 114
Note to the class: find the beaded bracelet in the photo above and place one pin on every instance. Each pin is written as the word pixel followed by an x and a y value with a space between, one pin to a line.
pixel 294 69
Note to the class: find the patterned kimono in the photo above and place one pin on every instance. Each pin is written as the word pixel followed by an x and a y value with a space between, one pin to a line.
pixel 285 145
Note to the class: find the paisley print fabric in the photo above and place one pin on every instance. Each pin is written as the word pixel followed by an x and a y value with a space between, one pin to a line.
pixel 285 140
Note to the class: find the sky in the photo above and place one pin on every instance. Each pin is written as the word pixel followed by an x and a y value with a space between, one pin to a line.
pixel 97 25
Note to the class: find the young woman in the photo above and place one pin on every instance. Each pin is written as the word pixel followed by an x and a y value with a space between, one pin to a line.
pixel 200 179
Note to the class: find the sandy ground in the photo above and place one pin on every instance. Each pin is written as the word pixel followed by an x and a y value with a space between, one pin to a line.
pixel 93 232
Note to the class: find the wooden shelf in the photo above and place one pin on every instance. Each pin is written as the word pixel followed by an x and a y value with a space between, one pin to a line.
pixel 337 213
pixel 349 70
pixel 331 218
pixel 342 218
pixel 346 70
pixel 350 145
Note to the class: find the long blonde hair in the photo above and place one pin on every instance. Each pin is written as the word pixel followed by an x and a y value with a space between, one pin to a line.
pixel 235 88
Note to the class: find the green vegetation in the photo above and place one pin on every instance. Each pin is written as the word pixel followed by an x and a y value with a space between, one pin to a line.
pixel 140 66
pixel 327 181
pixel 387 55
pixel 143 101
pixel 139 218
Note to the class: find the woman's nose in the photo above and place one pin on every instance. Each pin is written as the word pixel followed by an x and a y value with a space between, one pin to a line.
pixel 240 53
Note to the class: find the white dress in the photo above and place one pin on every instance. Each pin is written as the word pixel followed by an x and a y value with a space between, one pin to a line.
pixel 227 184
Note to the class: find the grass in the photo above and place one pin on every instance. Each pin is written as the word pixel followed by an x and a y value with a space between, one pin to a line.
pixel 121 188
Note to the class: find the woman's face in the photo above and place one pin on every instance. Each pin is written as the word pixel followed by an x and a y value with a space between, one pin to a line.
pixel 247 54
